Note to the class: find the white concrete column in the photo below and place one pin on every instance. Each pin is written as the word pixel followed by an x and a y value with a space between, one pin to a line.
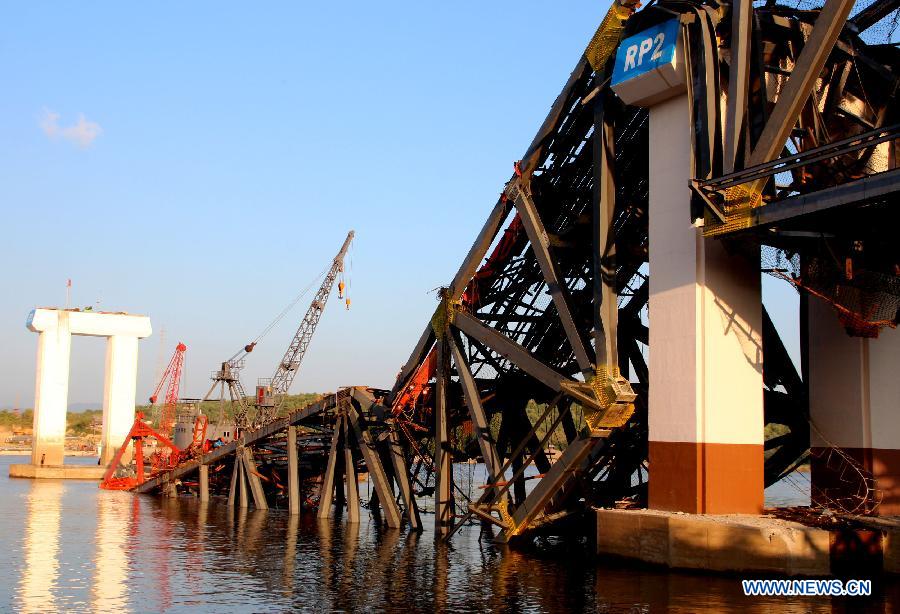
pixel 854 403
pixel 51 389
pixel 119 392
pixel 706 389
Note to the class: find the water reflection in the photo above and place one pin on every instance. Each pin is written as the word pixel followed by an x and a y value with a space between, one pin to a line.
pixel 150 554
pixel 111 554
pixel 41 571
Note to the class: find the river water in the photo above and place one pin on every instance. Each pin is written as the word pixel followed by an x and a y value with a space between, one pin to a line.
pixel 69 546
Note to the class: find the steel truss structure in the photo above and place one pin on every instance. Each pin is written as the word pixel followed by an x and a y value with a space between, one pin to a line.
pixel 557 312
pixel 542 334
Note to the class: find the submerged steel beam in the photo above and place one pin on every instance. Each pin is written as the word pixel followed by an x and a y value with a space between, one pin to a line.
pixel 566 468
pixel 204 483
pixel 259 495
pixel 401 474
pixel 293 471
pixel 376 471
pixel 443 462
pixel 350 479
pixel 243 499
pixel 232 489
pixel 326 493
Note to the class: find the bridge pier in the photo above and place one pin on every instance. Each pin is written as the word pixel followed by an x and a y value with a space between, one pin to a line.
pixel 119 391
pixel 55 328
pixel 706 388
pixel 854 397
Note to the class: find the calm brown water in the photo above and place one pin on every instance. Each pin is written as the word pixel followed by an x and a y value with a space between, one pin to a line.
pixel 69 546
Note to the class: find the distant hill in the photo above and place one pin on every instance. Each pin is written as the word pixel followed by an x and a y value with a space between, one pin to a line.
pixel 79 407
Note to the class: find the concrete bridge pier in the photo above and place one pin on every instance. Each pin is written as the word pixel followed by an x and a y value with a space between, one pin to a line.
pixel 706 389
pixel 854 390
pixel 51 389
pixel 119 392
pixel 55 328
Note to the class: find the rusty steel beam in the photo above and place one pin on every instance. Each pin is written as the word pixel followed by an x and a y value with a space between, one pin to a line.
pixel 243 499
pixel 563 470
pixel 232 489
pixel 259 495
pixel 293 471
pixel 401 475
pixel 326 491
pixel 350 480
pixel 376 470
pixel 457 287
pixel 204 483
pixel 443 461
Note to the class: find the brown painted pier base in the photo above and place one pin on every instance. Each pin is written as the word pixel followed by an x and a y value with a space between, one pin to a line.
pixel 706 478
pixel 743 543
pixel 57 472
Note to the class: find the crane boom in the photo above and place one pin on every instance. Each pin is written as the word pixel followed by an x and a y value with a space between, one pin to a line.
pixel 173 375
pixel 270 393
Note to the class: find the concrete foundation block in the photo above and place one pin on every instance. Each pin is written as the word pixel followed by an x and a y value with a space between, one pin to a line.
pixel 732 543
pixel 57 472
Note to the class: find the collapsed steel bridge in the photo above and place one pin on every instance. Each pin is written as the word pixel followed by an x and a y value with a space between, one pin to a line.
pixel 542 335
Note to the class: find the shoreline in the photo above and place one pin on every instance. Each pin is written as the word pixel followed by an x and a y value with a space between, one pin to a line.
pixel 27 452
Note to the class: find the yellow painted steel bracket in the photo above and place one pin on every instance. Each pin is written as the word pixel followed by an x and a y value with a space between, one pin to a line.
pixel 615 398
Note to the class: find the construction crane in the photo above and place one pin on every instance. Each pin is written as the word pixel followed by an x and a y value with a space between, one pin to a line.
pixel 166 454
pixel 229 376
pixel 270 392
pixel 172 374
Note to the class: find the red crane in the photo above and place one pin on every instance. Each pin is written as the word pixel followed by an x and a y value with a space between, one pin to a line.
pixel 173 375
pixel 166 454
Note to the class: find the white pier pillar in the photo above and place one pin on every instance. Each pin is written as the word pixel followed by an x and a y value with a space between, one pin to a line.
pixel 706 390
pixel 119 391
pixel 51 389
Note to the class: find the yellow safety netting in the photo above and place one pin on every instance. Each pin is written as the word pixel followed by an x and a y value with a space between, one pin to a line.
pixel 607 36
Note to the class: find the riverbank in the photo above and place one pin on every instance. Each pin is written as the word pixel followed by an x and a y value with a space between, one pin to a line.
pixel 68 453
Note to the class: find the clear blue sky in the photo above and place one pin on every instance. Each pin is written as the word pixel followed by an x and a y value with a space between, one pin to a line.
pixel 201 163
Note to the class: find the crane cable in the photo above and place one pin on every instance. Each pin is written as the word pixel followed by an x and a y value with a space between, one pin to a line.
pixel 281 315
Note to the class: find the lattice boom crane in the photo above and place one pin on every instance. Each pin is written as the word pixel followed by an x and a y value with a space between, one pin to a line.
pixel 270 393
pixel 173 376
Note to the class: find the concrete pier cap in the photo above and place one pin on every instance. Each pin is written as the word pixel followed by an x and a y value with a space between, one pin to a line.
pixel 55 328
